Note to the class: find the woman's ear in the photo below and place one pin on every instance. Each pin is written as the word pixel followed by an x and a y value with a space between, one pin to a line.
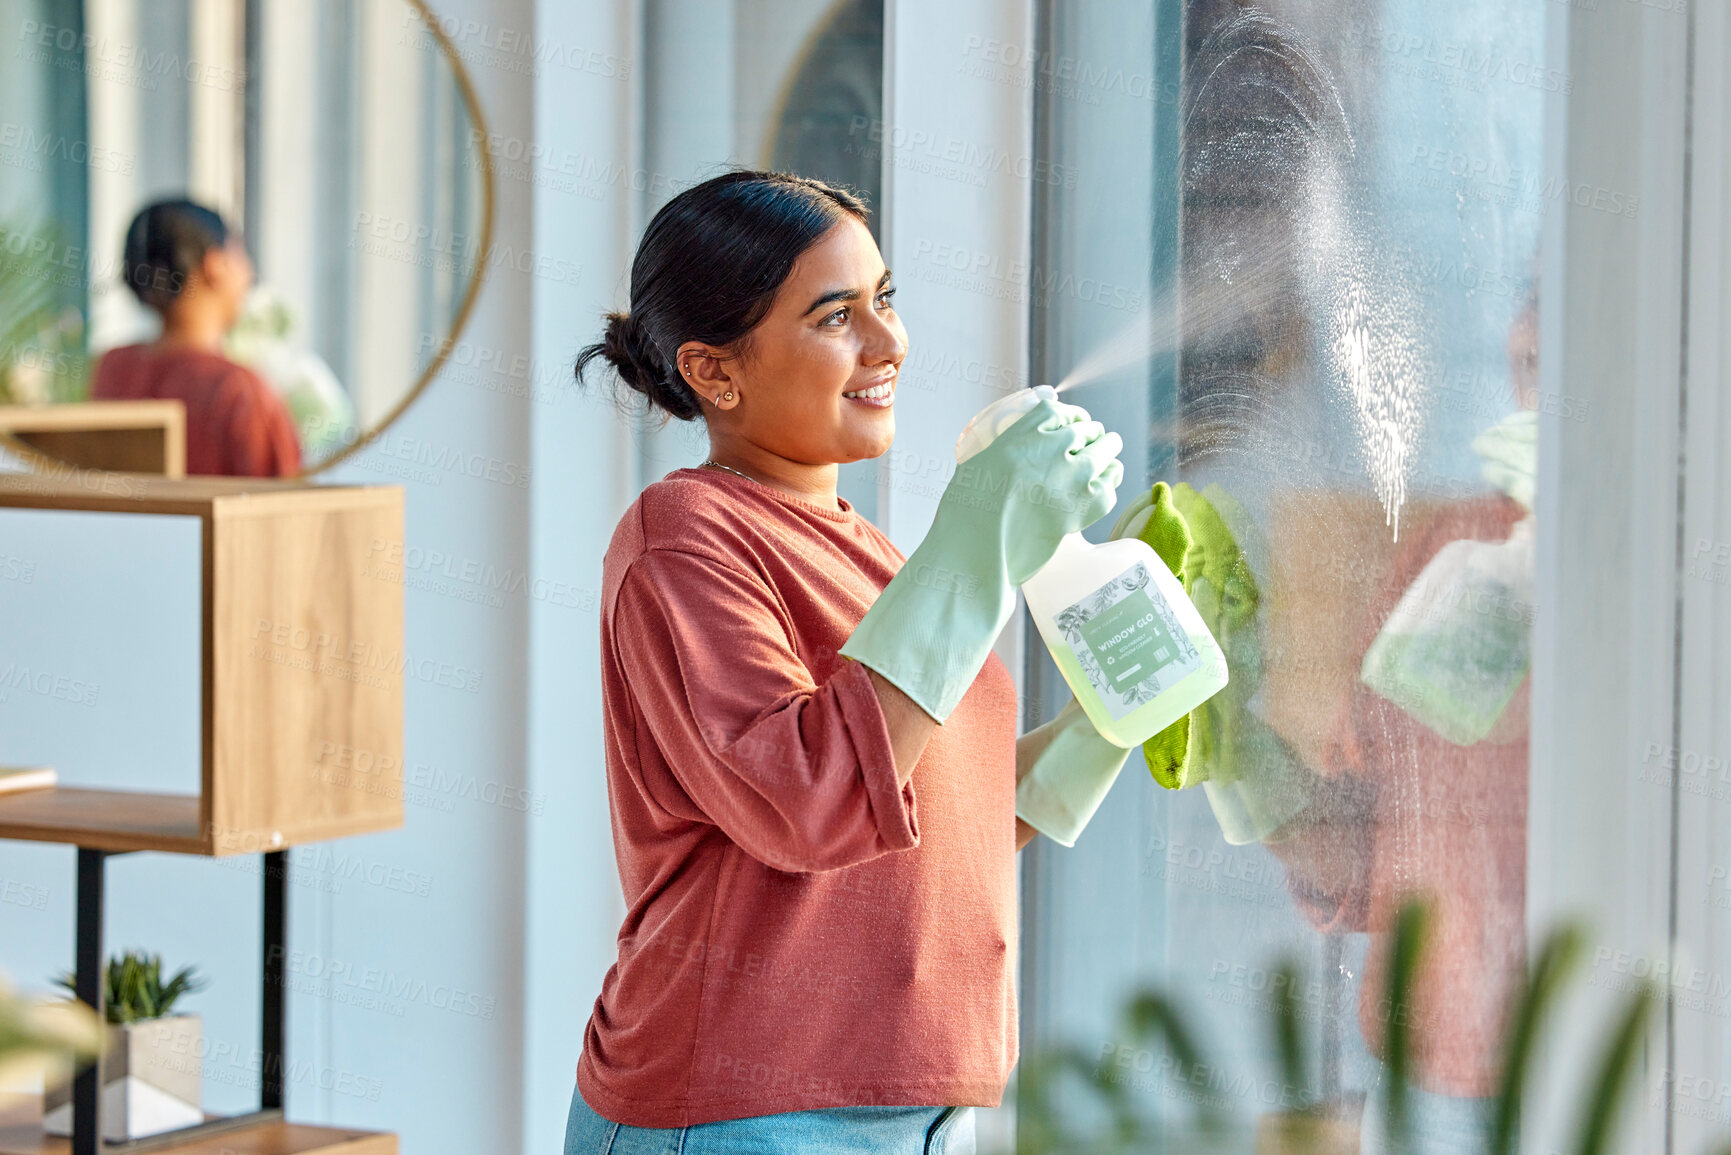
pixel 705 369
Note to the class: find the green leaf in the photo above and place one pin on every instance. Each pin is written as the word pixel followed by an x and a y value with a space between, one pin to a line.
pixel 1153 1015
pixel 135 990
pixel 1615 1067
pixel 1289 1030
pixel 1557 958
pixel 1410 933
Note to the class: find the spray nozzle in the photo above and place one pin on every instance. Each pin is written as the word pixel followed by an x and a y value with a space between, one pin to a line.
pixel 983 428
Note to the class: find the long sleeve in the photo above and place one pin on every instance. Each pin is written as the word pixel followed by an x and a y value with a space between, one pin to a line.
pixel 799 774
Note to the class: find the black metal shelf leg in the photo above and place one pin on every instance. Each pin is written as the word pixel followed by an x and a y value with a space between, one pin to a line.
pixel 87 971
pixel 274 1001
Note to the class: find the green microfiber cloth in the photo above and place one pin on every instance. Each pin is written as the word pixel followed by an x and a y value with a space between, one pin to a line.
pixel 1188 533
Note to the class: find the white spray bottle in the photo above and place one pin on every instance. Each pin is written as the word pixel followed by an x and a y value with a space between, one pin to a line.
pixel 1133 649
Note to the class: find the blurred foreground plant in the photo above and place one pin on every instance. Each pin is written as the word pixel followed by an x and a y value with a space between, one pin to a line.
pixel 36 1038
pixel 42 356
pixel 1307 1124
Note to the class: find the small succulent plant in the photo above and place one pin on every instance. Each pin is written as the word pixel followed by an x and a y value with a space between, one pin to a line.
pixel 136 992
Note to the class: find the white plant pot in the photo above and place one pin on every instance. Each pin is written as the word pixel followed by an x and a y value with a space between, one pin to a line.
pixel 153 1076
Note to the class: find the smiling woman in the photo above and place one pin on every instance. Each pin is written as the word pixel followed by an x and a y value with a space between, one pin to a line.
pixel 788 261
pixel 798 715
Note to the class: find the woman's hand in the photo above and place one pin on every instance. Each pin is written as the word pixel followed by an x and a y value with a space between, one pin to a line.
pixel 1053 472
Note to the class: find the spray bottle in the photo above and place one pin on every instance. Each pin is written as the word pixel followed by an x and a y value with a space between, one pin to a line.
pixel 1134 650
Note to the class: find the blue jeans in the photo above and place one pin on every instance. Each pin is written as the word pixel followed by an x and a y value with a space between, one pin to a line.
pixel 1439 1124
pixel 832 1131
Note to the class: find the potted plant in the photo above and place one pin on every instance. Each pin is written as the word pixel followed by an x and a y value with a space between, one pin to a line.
pixel 152 1077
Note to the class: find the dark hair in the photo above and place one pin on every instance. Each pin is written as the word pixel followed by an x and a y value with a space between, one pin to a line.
pixel 165 245
pixel 707 269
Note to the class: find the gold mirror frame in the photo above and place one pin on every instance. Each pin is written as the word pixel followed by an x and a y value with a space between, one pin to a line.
pixel 472 104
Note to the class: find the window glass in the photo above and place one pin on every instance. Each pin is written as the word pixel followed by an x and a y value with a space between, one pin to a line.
pixel 1330 215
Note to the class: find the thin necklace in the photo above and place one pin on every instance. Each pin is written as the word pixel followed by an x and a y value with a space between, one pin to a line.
pixel 731 469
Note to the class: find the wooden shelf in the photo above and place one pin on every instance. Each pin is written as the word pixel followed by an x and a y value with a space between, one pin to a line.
pixel 301 666
pixel 265 1139
pixel 126 820
pixel 104 819
pixel 138 436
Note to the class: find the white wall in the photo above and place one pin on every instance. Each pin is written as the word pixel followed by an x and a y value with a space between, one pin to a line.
pixel 956 236
pixel 585 476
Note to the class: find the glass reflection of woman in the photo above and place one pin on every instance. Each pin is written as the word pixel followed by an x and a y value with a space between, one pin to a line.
pixel 1379 806
pixel 184 264
pixel 811 748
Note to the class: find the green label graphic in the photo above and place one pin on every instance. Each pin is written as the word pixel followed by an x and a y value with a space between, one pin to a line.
pixel 1127 642
pixel 1130 642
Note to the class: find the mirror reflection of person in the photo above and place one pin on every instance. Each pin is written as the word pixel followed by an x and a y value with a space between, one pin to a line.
pixel 186 265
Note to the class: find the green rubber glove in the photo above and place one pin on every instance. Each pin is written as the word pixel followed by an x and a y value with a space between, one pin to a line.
pixel 1075 767
pixel 1070 775
pixel 1053 472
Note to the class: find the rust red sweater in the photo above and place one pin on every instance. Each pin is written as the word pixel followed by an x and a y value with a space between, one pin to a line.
pixel 805 927
pixel 235 424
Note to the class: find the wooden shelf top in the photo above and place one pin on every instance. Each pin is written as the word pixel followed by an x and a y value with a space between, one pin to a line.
pixel 124 820
pixel 104 491
pixel 276 1138
pixel 104 819
pixel 87 415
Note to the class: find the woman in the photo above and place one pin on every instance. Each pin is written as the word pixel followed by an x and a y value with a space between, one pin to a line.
pixel 811 749
pixel 185 264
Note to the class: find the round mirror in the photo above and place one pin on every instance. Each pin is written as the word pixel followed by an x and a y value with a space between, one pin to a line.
pixel 281 201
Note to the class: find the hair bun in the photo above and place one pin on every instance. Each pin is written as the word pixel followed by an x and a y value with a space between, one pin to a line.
pixel 630 351
pixel 640 364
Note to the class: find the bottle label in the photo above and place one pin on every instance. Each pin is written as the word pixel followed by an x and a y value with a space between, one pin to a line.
pixel 1128 642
